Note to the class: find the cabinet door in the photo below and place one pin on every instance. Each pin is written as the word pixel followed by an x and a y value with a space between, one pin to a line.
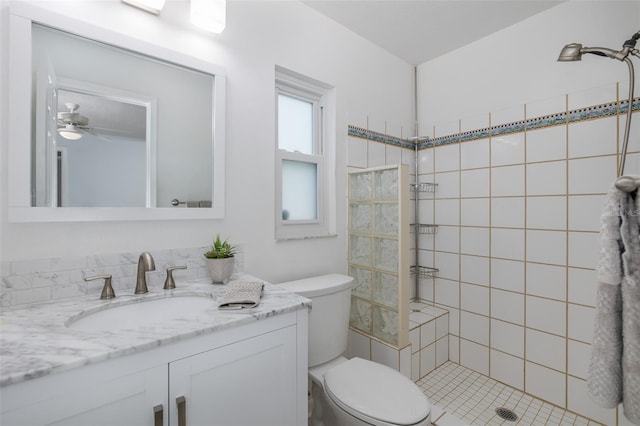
pixel 248 383
pixel 127 400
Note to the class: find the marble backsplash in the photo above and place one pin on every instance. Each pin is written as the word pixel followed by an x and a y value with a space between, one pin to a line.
pixel 41 280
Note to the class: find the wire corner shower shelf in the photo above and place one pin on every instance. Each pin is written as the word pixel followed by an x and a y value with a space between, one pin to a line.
pixel 424 272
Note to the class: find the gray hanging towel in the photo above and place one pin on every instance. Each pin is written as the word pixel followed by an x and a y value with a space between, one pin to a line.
pixel 614 372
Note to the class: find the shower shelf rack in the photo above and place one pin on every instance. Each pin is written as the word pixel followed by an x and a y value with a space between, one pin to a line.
pixel 423 228
pixel 424 187
pixel 424 272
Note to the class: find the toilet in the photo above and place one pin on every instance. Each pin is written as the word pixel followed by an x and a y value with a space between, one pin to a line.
pixel 351 392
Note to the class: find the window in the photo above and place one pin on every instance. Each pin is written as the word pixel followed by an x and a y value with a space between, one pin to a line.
pixel 305 157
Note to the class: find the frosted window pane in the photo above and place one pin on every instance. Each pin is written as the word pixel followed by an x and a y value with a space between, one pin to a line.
pixel 295 125
pixel 299 190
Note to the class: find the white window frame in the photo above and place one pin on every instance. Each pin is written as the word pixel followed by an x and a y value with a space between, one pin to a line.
pixel 322 97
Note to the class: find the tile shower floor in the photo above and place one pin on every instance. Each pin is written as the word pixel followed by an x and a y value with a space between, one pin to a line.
pixel 462 397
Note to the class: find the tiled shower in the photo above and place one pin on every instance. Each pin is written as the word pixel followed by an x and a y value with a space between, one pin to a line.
pixel 518 204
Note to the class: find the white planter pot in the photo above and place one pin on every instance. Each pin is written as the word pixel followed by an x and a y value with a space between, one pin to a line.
pixel 220 269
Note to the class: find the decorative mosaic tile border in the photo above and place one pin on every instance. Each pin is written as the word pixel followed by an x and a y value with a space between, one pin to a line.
pixel 359 132
pixel 582 114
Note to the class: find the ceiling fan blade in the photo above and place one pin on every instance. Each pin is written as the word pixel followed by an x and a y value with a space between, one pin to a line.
pixel 96 135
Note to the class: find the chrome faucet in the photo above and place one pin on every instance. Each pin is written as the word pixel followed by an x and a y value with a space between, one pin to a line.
pixel 145 263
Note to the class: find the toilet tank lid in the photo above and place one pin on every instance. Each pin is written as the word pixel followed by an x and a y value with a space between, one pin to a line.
pixel 319 286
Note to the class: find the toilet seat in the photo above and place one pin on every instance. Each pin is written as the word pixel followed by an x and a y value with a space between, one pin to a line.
pixel 376 393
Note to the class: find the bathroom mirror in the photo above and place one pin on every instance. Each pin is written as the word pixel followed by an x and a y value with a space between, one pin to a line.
pixel 103 127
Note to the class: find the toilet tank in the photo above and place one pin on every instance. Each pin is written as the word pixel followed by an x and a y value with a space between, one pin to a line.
pixel 329 317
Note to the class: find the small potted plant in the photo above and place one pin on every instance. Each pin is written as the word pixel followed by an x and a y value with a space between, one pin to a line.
pixel 220 260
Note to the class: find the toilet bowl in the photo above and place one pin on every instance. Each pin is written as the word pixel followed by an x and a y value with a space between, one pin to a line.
pixel 351 392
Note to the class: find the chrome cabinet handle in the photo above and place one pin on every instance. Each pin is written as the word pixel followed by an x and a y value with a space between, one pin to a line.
pixel 158 414
pixel 182 411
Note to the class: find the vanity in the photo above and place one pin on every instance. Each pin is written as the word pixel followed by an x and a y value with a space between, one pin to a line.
pixel 168 357
pixel 194 366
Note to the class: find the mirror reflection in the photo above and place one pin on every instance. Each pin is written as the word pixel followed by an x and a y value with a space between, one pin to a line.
pixel 100 152
pixel 113 128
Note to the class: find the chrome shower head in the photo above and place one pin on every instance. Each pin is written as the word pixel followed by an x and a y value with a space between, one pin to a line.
pixel 571 52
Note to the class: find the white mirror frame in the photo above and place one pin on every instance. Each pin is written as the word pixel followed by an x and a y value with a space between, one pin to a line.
pixel 22 16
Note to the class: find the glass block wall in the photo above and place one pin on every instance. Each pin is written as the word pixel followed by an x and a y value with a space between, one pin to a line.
pixel 379 252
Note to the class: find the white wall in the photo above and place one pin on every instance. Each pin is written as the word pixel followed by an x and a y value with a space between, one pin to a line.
pixel 519 64
pixel 259 36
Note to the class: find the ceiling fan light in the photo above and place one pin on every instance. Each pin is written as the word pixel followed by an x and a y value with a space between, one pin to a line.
pixel 210 15
pixel 70 133
pixel 153 6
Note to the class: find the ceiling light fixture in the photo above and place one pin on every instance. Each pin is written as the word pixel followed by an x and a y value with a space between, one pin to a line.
pixel 153 6
pixel 70 132
pixel 210 15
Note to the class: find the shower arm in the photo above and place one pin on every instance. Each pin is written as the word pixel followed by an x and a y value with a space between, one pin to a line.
pixel 574 52
pixel 627 183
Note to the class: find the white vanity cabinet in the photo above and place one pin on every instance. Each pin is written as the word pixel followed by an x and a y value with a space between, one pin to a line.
pixel 70 399
pixel 247 383
pixel 253 374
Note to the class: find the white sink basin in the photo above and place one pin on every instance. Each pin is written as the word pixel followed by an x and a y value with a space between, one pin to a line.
pixel 142 313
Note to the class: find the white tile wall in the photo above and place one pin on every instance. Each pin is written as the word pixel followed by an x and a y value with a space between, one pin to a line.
pixel 507 149
pixel 546 144
pixel 582 135
pixel 546 178
pixel 474 183
pixel 546 349
pixel 474 356
pixel 507 181
pixel 547 281
pixel 474 155
pixel 507 337
pixel 474 241
pixel 546 315
pixel 582 286
pixel 474 298
pixel 547 212
pixel 474 269
pixel 507 243
pixel 507 369
pixel 475 212
pixel 545 383
pixel 507 306
pixel 507 275
pixel 507 212
pixel 547 246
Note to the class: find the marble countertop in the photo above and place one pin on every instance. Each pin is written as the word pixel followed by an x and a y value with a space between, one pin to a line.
pixel 35 341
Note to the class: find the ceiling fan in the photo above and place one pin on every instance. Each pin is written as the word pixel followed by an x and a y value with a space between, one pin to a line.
pixel 72 125
pixel 71 122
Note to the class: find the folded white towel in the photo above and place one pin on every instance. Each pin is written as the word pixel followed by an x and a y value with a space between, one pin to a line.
pixel 241 295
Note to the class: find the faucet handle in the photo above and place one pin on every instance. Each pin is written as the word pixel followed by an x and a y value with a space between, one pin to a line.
pixel 169 283
pixel 107 290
